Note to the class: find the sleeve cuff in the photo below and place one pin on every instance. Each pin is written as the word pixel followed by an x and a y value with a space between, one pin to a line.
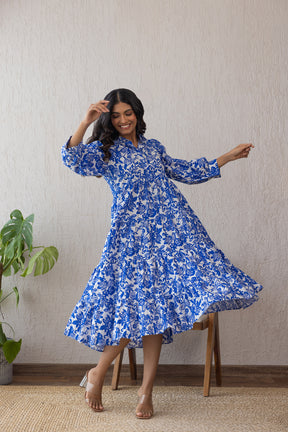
pixel 215 168
pixel 74 148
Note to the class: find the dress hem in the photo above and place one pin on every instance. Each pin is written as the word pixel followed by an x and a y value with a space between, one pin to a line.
pixel 169 331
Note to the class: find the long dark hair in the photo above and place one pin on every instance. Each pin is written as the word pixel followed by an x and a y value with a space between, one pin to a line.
pixel 103 129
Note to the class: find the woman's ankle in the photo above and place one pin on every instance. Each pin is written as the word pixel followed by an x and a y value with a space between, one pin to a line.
pixel 145 390
pixel 96 374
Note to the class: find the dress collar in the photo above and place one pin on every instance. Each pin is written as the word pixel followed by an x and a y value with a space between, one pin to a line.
pixel 125 141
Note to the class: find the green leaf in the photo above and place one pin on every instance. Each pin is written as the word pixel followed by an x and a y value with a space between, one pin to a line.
pixel 3 338
pixel 43 261
pixel 1 248
pixel 30 218
pixel 16 232
pixel 12 248
pixel 11 348
pixel 16 213
pixel 27 233
pixel 7 272
pixel 15 289
pixel 16 266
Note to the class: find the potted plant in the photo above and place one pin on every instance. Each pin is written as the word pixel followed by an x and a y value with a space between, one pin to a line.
pixel 16 246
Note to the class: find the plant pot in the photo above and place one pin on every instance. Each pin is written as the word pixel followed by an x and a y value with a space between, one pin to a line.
pixel 6 370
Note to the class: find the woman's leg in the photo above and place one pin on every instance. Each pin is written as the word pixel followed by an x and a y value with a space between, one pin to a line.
pixel 96 375
pixel 151 351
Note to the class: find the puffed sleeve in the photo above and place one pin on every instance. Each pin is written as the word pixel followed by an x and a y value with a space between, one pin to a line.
pixel 194 171
pixel 84 159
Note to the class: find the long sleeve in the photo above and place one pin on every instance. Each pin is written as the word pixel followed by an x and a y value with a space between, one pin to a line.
pixel 84 159
pixel 194 171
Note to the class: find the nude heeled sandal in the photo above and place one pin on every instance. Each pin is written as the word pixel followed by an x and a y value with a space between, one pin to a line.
pixel 89 387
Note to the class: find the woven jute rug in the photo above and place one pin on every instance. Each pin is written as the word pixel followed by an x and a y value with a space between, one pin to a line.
pixel 59 409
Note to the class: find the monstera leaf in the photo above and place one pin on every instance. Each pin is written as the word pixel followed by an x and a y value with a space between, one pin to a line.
pixel 16 233
pixel 15 236
pixel 43 261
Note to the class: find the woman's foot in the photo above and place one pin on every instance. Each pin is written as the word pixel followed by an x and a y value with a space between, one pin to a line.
pixel 144 409
pixel 93 394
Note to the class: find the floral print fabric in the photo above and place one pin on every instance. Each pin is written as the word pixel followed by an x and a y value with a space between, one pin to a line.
pixel 159 270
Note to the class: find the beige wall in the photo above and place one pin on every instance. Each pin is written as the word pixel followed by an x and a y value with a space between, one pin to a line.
pixel 211 74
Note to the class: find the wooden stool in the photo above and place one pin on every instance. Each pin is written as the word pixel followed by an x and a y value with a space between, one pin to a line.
pixel 209 322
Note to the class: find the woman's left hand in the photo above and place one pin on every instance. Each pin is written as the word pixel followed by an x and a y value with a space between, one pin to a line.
pixel 241 151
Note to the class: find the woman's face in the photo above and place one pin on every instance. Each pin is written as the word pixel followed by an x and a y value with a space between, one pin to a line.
pixel 124 120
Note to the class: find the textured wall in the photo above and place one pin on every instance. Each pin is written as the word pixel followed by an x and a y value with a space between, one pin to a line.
pixel 211 74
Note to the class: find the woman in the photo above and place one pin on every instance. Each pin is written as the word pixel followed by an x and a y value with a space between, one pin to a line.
pixel 159 271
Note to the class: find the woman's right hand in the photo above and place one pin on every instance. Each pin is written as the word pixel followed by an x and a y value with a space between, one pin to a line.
pixel 95 110
pixel 93 113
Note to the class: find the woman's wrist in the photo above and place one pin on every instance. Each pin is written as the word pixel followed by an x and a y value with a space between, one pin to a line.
pixel 222 160
pixel 84 124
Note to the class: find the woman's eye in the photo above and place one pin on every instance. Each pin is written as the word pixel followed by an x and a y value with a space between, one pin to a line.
pixel 115 116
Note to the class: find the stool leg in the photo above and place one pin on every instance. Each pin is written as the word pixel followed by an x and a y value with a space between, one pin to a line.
pixel 132 363
pixel 116 370
pixel 209 354
pixel 217 357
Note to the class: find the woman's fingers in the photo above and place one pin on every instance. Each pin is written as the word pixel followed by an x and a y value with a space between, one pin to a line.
pixel 245 146
pixel 100 106
pixel 242 150
pixel 246 149
pixel 103 105
pixel 95 110
pixel 104 102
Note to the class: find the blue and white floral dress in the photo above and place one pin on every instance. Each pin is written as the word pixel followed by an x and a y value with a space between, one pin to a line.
pixel 159 270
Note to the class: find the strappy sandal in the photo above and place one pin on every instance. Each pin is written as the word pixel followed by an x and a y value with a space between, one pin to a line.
pixel 89 389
